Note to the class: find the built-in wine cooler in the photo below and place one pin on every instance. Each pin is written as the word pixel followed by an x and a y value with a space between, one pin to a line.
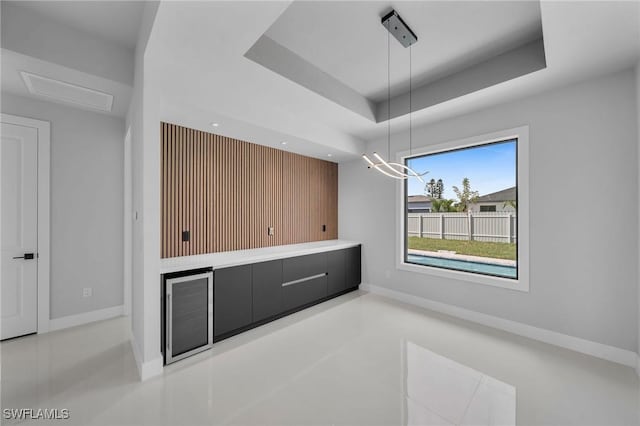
pixel 188 314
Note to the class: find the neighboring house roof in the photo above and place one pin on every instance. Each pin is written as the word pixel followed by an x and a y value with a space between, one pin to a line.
pixel 508 194
pixel 418 198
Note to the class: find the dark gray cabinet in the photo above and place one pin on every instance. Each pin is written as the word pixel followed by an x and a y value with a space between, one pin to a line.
pixel 304 280
pixel 295 268
pixel 300 293
pixel 249 295
pixel 353 260
pixel 232 299
pixel 336 272
pixel 267 289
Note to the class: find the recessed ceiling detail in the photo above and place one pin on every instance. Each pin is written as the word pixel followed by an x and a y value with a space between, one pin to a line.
pixel 67 92
pixel 333 49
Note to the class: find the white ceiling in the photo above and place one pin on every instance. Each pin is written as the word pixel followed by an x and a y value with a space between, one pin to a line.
pixel 116 21
pixel 347 40
pixel 196 57
pixel 13 63
pixel 84 43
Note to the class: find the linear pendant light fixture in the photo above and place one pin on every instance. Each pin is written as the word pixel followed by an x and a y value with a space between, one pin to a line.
pixel 407 38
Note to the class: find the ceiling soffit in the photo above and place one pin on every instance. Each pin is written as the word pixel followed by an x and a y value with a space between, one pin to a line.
pixel 517 53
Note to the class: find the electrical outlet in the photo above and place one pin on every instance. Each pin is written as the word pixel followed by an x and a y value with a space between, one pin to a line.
pixel 87 292
pixel 271 231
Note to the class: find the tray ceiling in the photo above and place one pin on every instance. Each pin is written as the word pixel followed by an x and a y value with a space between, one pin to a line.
pixel 347 41
pixel 339 50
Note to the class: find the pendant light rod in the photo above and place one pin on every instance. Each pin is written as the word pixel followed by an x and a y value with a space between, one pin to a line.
pixel 406 37
pixel 410 106
pixel 388 91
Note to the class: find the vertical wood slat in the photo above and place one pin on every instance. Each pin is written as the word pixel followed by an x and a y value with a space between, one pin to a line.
pixel 163 194
pixel 227 193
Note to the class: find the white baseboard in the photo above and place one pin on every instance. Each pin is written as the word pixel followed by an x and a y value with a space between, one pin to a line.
pixel 149 369
pixel 85 318
pixel 598 350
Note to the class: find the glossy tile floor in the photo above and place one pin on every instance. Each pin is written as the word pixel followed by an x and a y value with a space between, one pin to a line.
pixel 358 359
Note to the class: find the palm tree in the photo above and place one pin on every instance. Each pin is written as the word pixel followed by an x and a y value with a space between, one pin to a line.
pixel 511 203
pixel 465 196
pixel 442 205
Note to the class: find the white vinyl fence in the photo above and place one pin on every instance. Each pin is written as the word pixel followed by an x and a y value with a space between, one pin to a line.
pixel 478 226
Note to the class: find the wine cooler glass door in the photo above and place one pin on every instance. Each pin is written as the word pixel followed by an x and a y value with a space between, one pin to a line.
pixel 189 315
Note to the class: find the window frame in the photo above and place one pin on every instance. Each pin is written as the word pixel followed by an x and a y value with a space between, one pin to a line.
pixel 522 282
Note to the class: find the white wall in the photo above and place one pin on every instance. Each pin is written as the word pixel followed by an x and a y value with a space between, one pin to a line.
pixel 143 119
pixel 584 279
pixel 86 204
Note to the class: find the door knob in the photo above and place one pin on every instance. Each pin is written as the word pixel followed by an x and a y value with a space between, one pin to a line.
pixel 27 256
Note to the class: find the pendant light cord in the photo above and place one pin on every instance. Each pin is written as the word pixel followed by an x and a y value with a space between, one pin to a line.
pixel 410 103
pixel 390 168
pixel 388 92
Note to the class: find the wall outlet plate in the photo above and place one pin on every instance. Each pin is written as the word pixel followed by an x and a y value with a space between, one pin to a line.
pixel 271 231
pixel 87 292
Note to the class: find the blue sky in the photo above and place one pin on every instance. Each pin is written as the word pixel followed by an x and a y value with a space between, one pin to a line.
pixel 490 168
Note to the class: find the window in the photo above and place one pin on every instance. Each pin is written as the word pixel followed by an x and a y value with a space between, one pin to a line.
pixel 478 217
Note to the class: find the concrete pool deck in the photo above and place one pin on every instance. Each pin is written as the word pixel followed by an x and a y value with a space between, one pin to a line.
pixel 464 257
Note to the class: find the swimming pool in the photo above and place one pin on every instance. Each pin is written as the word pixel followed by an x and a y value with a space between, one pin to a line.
pixel 465 265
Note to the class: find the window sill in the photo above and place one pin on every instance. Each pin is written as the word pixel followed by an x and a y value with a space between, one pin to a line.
pixel 520 284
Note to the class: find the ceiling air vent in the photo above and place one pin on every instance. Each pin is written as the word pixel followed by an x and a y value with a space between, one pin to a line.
pixel 67 92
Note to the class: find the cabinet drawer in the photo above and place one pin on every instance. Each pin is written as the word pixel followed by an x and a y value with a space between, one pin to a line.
pixel 301 293
pixel 295 268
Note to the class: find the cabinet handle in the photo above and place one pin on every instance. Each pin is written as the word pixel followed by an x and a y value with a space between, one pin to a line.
pixel 301 280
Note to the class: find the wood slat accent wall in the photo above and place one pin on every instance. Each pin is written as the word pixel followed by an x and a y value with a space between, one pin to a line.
pixel 227 193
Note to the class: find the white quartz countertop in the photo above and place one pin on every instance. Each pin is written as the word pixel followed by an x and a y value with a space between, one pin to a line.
pixel 243 257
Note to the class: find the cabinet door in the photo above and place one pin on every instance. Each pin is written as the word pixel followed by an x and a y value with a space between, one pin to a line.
pixel 354 267
pixel 232 299
pixel 336 271
pixel 267 289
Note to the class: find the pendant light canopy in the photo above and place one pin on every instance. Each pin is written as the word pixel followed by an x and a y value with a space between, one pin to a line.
pixel 407 38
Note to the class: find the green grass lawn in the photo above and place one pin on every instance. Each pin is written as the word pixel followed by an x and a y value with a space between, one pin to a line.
pixel 472 248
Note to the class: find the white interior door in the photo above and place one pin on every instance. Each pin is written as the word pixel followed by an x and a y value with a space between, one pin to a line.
pixel 18 230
